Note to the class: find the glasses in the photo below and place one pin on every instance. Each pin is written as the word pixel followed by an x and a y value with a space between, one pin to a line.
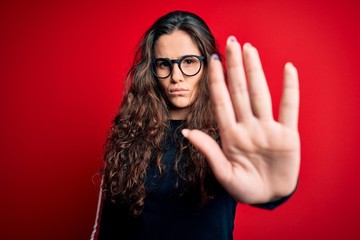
pixel 189 65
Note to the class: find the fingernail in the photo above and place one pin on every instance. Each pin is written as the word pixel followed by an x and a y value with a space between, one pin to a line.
pixel 185 132
pixel 247 44
pixel 290 65
pixel 232 39
pixel 215 57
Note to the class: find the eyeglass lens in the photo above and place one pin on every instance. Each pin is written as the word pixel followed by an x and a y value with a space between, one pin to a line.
pixel 189 66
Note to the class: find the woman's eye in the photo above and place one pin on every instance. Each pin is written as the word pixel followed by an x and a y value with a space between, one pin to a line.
pixel 163 64
pixel 189 61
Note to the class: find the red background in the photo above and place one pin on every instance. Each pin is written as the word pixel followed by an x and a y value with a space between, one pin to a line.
pixel 61 69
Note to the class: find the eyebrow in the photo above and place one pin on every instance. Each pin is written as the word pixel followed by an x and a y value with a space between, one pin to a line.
pixel 189 54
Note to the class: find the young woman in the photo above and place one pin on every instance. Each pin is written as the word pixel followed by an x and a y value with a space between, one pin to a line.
pixel 186 147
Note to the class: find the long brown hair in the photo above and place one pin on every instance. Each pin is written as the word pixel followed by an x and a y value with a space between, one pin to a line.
pixel 137 136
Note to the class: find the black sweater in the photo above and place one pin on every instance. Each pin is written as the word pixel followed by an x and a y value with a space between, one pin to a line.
pixel 167 214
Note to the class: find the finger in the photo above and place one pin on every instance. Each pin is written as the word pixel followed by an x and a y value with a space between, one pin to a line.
pixel 220 98
pixel 289 105
pixel 217 161
pixel 259 92
pixel 237 80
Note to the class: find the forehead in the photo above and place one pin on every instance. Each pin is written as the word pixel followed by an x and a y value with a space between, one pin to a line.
pixel 174 45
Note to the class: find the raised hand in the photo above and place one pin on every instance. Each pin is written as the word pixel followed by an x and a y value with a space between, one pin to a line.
pixel 259 159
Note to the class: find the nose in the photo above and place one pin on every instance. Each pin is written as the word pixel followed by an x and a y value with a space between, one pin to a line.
pixel 176 74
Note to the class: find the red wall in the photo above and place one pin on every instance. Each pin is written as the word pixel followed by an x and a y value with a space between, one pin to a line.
pixel 61 69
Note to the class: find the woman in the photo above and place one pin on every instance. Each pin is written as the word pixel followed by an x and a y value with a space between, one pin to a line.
pixel 165 181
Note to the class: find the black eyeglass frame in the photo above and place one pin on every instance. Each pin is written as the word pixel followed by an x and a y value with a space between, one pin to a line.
pixel 178 61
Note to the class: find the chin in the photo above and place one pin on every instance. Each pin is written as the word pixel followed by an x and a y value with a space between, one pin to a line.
pixel 180 105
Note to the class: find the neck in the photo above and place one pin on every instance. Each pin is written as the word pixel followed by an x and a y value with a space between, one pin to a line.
pixel 179 114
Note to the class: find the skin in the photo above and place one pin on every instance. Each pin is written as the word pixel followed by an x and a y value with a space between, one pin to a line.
pixel 260 158
pixel 179 89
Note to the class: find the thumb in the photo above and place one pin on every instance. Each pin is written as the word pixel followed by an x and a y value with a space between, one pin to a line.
pixel 217 161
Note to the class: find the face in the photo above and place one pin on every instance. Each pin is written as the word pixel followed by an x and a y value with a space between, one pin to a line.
pixel 180 89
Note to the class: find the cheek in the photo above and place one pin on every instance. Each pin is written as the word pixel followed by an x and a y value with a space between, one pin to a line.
pixel 163 90
pixel 196 88
pixel 162 86
pixel 197 83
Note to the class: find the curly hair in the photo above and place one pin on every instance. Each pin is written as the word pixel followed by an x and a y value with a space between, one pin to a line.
pixel 137 136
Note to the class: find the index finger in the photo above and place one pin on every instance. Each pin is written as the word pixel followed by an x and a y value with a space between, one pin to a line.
pixel 220 97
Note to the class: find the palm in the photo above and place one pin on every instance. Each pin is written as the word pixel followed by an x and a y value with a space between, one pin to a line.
pixel 259 159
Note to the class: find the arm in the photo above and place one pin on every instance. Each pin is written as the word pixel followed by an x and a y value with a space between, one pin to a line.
pixel 259 159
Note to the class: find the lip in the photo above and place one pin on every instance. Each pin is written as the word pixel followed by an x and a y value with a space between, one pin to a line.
pixel 178 90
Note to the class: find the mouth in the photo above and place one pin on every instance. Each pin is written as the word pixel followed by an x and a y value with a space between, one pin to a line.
pixel 175 91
